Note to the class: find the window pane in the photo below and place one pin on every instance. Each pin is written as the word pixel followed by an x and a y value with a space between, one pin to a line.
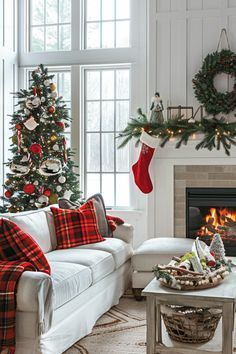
pixel 122 34
pixel 65 11
pixel 122 196
pixel 108 9
pixel 51 38
pixel 108 152
pixel 65 37
pixel 93 85
pixel 51 12
pixel 37 39
pixel 108 84
pixel 108 35
pixel 122 114
pixel 64 85
pixel 93 184
pixel 108 189
pixel 93 152
pixel 37 12
pixel 122 84
pixel 107 116
pixel 93 116
pixel 122 158
pixel 92 10
pixel 122 9
pixel 93 35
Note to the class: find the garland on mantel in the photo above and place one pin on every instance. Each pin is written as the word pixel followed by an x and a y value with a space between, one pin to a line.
pixel 216 132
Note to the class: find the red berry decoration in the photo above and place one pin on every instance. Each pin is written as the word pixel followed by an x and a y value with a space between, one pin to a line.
pixel 8 194
pixel 51 109
pixel 47 192
pixel 61 125
pixel 18 126
pixel 34 91
pixel 36 149
pixel 29 188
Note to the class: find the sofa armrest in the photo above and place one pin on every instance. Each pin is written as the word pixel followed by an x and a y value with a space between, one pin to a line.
pixel 35 294
pixel 124 232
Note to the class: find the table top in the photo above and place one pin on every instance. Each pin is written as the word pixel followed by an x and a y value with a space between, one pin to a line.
pixel 223 292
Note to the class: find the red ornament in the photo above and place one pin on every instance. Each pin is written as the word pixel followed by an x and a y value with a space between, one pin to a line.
pixel 211 263
pixel 34 91
pixel 8 194
pixel 47 192
pixel 29 188
pixel 18 126
pixel 51 109
pixel 61 125
pixel 36 149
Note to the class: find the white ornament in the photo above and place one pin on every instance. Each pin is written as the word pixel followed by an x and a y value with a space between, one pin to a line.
pixel 62 179
pixel 54 94
pixel 36 183
pixel 19 169
pixel 50 167
pixel 28 104
pixel 26 111
pixel 42 201
pixel 56 147
pixel 31 201
pixel 47 82
pixel 43 99
pixel 191 120
pixel 36 102
pixel 58 188
pixel 31 124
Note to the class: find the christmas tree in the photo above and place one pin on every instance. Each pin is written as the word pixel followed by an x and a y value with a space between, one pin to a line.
pixel 42 169
pixel 217 248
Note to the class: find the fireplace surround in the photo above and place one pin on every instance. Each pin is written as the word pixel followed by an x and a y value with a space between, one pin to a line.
pixel 210 211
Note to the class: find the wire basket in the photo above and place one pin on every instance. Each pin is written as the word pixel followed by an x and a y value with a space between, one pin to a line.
pixel 190 324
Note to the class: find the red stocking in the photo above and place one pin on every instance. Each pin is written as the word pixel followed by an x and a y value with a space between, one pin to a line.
pixel 141 167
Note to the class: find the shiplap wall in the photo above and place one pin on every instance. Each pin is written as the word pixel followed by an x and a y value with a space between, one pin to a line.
pixel 8 75
pixel 186 31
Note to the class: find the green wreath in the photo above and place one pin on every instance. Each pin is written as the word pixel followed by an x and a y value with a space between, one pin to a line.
pixel 203 83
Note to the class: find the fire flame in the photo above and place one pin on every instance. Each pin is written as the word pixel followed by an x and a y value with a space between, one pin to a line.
pixel 216 221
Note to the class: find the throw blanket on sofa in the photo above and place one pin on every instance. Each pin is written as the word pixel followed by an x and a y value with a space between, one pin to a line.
pixel 18 253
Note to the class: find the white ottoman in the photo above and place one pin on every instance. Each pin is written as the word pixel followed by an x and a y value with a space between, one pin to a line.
pixel 151 252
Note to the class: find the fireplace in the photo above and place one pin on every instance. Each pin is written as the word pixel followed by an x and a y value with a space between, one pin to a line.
pixel 209 211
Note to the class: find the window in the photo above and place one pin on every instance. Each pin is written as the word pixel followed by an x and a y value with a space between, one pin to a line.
pixel 106 110
pixel 50 25
pixel 107 23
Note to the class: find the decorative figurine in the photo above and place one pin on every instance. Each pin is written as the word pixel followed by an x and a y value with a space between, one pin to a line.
pixel 157 109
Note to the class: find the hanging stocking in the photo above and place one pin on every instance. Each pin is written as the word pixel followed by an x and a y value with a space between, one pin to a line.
pixel 141 167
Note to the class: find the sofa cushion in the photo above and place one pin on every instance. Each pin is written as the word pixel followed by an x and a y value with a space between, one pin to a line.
pixel 35 224
pixel 68 280
pixel 101 263
pixel 76 227
pixel 120 250
pixel 159 250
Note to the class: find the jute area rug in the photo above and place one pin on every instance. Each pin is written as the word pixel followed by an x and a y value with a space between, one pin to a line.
pixel 122 330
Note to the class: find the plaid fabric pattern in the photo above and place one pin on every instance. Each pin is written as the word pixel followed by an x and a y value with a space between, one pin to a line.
pixel 18 253
pixel 10 273
pixel 76 227
pixel 114 221
pixel 17 245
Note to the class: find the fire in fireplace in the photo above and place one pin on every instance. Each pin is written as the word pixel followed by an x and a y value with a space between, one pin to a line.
pixel 210 211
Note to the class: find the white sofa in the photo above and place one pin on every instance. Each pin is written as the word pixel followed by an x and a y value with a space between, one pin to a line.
pixel 53 312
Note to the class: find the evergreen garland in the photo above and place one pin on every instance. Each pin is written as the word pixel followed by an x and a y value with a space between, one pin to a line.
pixel 215 63
pixel 216 132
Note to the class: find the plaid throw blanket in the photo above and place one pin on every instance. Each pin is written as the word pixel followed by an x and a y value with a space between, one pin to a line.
pixel 18 253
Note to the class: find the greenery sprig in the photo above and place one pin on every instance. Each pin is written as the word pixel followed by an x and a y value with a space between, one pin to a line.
pixel 216 132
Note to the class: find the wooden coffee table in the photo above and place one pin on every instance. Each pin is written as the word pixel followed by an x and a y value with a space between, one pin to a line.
pixel 223 296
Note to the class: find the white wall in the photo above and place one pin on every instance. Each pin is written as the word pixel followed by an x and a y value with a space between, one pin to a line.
pixel 186 31
pixel 8 75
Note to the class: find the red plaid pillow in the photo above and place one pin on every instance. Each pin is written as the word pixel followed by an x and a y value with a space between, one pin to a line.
pixel 17 245
pixel 76 227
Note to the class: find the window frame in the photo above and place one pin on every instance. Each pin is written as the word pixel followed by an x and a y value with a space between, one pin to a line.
pixel 77 58
pixel 83 170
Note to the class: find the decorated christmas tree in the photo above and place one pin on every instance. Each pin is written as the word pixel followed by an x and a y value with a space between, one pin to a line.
pixel 41 169
pixel 217 248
